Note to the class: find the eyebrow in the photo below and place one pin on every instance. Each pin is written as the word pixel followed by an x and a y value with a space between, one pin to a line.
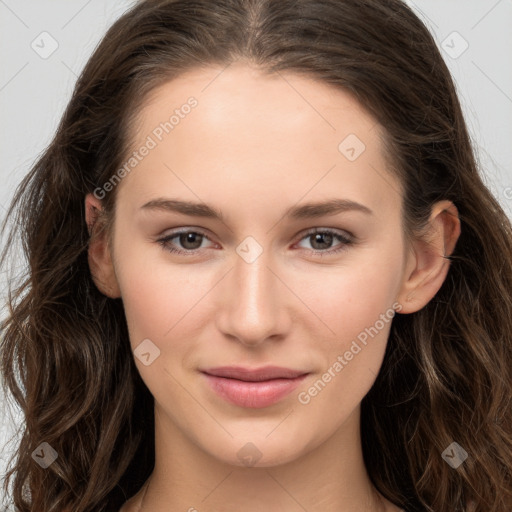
pixel 304 211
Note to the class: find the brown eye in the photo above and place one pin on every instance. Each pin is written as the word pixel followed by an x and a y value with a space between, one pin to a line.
pixel 189 241
pixel 321 241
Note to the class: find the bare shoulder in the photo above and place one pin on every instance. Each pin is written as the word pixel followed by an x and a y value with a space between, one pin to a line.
pixel 127 507
pixel 130 506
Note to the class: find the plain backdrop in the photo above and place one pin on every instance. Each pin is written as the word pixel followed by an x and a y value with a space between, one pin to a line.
pixel 45 44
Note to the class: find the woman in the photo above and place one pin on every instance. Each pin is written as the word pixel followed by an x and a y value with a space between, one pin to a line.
pixel 264 272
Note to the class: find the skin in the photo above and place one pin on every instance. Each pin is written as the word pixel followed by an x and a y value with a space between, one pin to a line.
pixel 254 146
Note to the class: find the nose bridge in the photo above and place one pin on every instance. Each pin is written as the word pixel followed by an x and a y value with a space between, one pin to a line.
pixel 253 308
pixel 253 284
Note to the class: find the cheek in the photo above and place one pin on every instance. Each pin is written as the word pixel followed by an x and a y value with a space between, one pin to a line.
pixel 360 316
pixel 157 296
pixel 353 297
pixel 357 304
pixel 163 304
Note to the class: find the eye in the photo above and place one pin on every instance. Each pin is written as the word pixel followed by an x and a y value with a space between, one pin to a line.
pixel 190 240
pixel 322 240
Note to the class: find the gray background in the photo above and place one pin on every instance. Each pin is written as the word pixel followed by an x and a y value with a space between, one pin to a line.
pixel 35 87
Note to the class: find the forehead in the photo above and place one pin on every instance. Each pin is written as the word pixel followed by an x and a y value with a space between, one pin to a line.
pixel 249 129
pixel 226 96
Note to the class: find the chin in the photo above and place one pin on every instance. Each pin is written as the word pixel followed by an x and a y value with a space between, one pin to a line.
pixel 261 452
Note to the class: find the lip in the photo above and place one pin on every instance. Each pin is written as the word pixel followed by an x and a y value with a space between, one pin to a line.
pixel 253 388
pixel 254 374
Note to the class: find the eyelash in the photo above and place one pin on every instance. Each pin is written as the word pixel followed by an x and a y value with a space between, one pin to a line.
pixel 346 240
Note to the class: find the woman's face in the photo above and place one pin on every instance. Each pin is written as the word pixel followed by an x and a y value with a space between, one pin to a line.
pixel 257 288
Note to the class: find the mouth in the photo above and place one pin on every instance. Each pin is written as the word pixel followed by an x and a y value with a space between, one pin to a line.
pixel 253 388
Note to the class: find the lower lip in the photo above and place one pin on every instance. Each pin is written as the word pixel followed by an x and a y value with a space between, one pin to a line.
pixel 253 394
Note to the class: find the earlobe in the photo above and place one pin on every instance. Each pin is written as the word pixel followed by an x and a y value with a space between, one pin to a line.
pixel 99 256
pixel 428 261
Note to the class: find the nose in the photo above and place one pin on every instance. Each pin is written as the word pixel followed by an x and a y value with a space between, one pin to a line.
pixel 254 302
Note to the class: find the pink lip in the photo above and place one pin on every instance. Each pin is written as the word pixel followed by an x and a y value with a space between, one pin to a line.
pixel 254 388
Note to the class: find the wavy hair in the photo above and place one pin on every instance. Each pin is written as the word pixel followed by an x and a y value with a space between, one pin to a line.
pixel 447 372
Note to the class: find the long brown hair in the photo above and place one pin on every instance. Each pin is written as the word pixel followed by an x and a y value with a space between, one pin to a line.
pixel 447 372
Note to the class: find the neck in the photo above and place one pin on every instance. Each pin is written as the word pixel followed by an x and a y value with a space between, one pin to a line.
pixel 330 477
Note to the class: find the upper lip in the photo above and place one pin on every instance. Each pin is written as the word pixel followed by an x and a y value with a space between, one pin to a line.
pixel 254 374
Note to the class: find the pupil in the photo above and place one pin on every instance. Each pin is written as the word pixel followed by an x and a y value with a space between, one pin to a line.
pixel 319 236
pixel 186 238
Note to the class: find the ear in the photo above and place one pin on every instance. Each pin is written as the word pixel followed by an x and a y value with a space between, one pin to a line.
pixel 428 263
pixel 99 255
